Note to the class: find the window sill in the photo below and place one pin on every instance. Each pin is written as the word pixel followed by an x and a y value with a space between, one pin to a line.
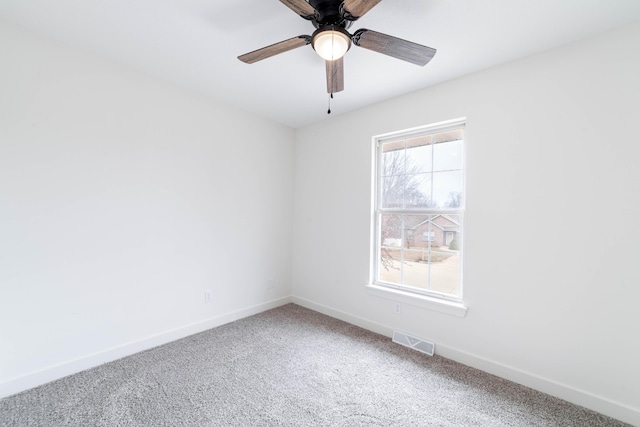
pixel 453 308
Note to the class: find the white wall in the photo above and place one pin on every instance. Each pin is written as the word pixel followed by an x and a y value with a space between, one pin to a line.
pixel 122 199
pixel 553 173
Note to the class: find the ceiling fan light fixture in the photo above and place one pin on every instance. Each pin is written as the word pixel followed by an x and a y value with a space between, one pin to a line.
pixel 331 43
pixel 331 40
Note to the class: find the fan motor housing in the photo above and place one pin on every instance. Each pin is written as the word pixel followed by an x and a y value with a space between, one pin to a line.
pixel 329 13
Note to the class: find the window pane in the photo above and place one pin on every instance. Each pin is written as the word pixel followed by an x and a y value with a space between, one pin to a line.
pixel 420 141
pixel 417 191
pixel 414 228
pixel 415 269
pixel 391 231
pixel 447 189
pixel 447 156
pixel 393 158
pixel 444 273
pixel 447 232
pixel 393 192
pixel 389 265
pixel 452 135
pixel 418 157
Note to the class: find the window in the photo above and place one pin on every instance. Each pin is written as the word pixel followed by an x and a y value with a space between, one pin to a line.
pixel 428 236
pixel 419 208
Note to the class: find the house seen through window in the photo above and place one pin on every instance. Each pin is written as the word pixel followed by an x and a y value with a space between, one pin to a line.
pixel 419 210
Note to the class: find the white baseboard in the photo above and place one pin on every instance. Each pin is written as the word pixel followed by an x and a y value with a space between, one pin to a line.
pixel 571 394
pixel 576 396
pixel 346 317
pixel 54 372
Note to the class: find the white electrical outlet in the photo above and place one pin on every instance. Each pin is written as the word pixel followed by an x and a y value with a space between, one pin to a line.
pixel 271 283
pixel 207 296
pixel 398 308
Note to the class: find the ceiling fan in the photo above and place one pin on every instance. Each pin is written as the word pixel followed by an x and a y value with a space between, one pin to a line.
pixel 331 40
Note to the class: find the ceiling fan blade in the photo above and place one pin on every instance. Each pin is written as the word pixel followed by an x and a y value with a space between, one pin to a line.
pixel 275 49
pixel 354 9
pixel 393 46
pixel 301 7
pixel 335 75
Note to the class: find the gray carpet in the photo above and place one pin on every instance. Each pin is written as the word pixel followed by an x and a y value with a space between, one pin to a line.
pixel 288 367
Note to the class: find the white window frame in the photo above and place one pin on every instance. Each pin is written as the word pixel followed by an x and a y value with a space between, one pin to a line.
pixel 432 300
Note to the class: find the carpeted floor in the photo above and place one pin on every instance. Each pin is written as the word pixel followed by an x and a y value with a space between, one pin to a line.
pixel 288 367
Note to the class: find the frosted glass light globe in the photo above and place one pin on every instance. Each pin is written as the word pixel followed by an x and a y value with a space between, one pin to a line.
pixel 331 45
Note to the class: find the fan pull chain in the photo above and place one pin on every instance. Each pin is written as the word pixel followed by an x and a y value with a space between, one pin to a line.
pixel 330 98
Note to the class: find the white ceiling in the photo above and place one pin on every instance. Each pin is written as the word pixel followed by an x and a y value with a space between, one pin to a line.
pixel 194 43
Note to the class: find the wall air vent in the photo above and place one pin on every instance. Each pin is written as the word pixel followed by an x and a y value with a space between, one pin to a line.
pixel 423 346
